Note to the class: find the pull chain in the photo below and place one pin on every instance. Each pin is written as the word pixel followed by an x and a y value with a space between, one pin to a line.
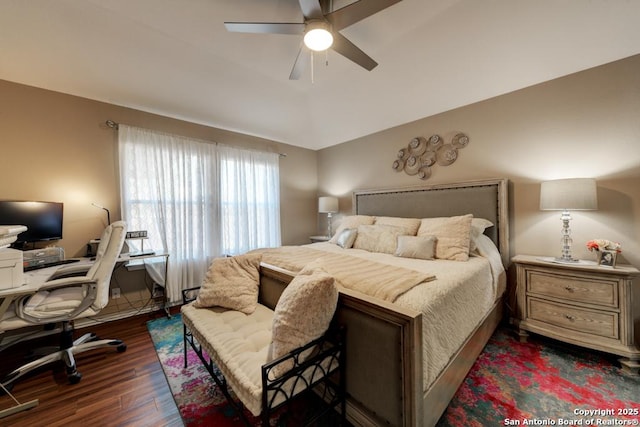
pixel 311 67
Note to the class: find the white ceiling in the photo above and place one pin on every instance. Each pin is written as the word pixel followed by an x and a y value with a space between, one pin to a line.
pixel 175 58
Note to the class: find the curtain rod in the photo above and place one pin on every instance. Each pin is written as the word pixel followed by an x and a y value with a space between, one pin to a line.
pixel 114 125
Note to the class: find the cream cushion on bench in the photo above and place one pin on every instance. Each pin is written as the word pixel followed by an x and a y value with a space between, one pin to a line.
pixel 237 343
pixel 241 342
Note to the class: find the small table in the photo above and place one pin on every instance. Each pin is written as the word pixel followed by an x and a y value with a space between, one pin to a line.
pixel 580 303
pixel 316 239
pixel 126 259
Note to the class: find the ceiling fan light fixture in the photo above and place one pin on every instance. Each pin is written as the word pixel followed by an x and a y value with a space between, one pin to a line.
pixel 318 37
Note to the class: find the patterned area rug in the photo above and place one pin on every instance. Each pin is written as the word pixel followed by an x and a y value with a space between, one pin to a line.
pixel 537 383
pixel 543 382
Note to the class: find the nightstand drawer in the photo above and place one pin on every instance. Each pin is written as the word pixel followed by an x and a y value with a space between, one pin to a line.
pixel 572 288
pixel 600 323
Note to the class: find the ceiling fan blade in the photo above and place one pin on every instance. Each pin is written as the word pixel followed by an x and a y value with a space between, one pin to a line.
pixel 344 47
pixel 265 27
pixel 357 11
pixel 302 61
pixel 311 9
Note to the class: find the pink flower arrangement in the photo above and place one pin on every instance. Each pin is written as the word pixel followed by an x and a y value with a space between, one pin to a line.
pixel 603 245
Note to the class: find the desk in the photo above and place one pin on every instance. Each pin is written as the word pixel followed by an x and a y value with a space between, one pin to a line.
pixel 125 259
pixel 34 279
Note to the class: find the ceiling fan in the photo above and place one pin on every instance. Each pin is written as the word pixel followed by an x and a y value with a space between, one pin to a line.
pixel 321 22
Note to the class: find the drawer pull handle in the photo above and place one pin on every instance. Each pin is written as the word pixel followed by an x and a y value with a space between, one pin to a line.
pixel 569 289
pixel 567 316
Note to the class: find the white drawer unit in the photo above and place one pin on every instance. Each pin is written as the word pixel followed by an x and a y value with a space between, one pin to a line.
pixel 587 305
pixel 11 270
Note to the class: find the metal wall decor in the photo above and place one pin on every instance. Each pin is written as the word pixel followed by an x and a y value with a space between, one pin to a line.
pixel 421 154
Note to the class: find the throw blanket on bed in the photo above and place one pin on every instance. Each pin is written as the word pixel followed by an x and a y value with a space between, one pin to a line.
pixel 375 279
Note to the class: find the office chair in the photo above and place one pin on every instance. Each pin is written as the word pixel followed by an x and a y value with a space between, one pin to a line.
pixel 64 299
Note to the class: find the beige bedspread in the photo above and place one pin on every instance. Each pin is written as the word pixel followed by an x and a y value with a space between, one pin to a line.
pixel 451 306
pixel 375 279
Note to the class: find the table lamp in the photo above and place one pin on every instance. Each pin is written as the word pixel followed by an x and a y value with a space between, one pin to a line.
pixel 565 195
pixel 328 205
pixel 107 210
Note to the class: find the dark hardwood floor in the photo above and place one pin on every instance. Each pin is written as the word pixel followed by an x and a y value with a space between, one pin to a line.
pixel 117 389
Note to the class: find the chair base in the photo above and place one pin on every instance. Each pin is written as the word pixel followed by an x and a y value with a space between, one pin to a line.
pixel 65 353
pixel 7 341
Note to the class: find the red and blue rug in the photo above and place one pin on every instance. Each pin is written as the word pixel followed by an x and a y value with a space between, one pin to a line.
pixel 511 383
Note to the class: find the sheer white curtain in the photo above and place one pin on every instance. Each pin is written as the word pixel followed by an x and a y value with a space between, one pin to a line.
pixel 197 200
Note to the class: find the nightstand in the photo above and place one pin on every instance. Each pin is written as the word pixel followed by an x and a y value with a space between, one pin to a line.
pixel 583 304
pixel 316 239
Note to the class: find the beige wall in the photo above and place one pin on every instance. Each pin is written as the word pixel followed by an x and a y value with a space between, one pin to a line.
pixel 583 125
pixel 56 147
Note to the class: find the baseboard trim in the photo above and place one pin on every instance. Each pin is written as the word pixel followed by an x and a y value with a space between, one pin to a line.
pixel 97 320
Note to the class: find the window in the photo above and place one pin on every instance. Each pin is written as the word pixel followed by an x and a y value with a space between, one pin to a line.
pixel 197 200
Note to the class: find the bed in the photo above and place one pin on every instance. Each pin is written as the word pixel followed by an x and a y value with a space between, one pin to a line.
pixel 407 358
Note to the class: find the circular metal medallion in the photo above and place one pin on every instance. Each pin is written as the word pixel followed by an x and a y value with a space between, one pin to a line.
pixel 435 141
pixel 412 165
pixel 418 145
pixel 460 140
pixel 424 172
pixel 398 165
pixel 446 155
pixel 428 158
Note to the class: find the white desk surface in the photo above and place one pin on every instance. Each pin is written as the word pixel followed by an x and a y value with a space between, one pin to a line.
pixel 127 257
pixel 35 278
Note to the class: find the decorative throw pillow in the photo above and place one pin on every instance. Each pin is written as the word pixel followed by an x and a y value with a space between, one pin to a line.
pixel 410 225
pixel 478 225
pixel 303 313
pixel 231 283
pixel 352 221
pixel 420 247
pixel 378 238
pixel 453 235
pixel 347 237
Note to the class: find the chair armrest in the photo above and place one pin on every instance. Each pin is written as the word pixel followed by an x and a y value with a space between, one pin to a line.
pixel 70 271
pixel 90 297
pixel 190 294
pixel 66 282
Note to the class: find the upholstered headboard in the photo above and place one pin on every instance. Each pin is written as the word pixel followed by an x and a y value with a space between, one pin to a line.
pixel 484 199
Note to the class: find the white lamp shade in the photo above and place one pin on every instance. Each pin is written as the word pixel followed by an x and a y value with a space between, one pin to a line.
pixel 569 194
pixel 317 36
pixel 327 204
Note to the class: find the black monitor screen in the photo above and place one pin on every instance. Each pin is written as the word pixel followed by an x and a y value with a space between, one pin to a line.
pixel 42 219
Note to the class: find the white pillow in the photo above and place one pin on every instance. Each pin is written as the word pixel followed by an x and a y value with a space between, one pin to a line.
pixel 231 283
pixel 453 235
pixel 478 225
pixel 352 221
pixel 410 225
pixel 378 238
pixel 420 247
pixel 347 237
pixel 303 313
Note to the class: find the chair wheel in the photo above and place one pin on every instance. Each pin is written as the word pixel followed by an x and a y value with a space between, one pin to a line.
pixel 75 378
pixel 121 348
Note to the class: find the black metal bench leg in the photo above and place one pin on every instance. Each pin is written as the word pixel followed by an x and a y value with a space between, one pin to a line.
pixel 184 344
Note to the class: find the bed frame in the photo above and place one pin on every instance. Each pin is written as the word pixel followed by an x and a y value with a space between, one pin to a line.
pixel 384 341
